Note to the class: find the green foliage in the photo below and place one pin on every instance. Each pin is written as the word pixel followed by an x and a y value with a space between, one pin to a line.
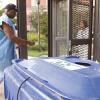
pixel 34 21
pixel 43 21
pixel 32 36
pixel 1 11
pixel 43 42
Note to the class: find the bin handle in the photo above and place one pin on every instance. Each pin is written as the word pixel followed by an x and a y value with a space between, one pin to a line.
pixel 16 61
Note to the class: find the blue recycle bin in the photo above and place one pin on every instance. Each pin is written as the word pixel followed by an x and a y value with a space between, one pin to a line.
pixel 60 78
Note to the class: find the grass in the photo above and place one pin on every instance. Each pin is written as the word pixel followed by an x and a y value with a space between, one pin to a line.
pixel 35 53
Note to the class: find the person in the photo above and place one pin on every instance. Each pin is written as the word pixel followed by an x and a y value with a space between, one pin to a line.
pixel 83 33
pixel 8 38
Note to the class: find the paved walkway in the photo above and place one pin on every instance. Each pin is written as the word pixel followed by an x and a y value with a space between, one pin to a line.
pixel 1 91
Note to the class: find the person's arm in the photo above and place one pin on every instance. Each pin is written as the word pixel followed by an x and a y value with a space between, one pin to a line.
pixel 10 34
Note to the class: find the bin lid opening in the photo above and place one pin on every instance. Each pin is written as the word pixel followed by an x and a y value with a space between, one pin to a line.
pixel 82 63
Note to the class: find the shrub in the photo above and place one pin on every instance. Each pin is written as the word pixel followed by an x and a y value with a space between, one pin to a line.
pixel 43 42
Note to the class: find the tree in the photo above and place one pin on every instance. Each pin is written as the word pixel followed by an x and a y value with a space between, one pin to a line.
pixel 43 21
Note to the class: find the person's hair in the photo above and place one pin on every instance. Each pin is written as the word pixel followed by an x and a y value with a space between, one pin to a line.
pixel 85 23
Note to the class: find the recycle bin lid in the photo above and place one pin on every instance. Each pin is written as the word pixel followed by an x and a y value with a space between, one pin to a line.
pixel 64 76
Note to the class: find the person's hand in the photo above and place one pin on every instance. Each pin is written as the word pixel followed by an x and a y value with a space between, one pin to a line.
pixel 31 43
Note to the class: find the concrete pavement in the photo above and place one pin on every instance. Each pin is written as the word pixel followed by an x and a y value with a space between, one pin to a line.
pixel 2 91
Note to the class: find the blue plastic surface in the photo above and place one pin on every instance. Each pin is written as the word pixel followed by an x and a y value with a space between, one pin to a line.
pixel 64 78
